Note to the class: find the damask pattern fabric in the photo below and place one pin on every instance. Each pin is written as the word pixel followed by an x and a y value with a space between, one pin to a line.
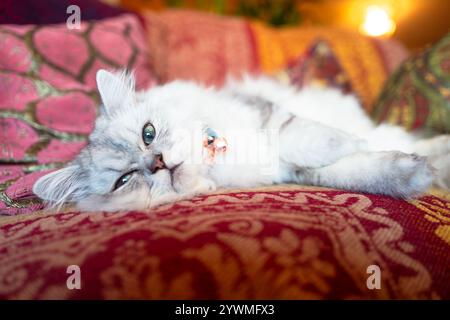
pixel 283 242
pixel 48 96
pixel 417 95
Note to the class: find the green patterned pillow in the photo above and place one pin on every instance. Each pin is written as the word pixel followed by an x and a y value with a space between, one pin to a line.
pixel 417 95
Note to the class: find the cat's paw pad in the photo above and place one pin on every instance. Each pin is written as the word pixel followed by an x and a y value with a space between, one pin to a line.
pixel 411 174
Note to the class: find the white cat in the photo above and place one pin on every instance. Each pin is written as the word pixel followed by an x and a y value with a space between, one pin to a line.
pixel 158 146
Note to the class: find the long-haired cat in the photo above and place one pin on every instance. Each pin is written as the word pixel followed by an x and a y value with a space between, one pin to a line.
pixel 158 146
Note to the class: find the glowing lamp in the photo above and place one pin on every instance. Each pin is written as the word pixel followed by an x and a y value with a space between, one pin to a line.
pixel 377 22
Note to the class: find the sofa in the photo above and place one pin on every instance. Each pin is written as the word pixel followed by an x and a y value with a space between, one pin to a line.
pixel 277 242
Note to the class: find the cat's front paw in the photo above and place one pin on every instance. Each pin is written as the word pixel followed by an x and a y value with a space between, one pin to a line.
pixel 190 181
pixel 204 185
pixel 411 174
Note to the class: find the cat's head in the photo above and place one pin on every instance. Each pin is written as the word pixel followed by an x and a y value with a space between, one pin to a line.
pixel 134 156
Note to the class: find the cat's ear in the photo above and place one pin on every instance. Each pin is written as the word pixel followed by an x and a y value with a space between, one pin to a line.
pixel 61 186
pixel 116 89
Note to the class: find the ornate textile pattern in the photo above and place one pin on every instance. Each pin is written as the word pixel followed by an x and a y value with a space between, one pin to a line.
pixel 363 59
pixel 269 243
pixel 48 97
pixel 437 211
pixel 417 95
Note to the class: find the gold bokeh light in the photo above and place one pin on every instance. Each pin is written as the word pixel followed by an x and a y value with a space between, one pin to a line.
pixel 377 22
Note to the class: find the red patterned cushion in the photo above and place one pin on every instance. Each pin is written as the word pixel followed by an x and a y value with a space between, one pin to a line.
pixel 417 95
pixel 48 97
pixel 186 44
pixel 284 242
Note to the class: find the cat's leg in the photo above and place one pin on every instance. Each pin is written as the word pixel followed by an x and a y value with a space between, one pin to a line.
pixel 439 145
pixel 306 143
pixel 391 173
pixel 442 165
pixel 386 137
pixel 437 149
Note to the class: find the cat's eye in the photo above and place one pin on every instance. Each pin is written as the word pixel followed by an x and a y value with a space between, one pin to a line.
pixel 123 180
pixel 148 133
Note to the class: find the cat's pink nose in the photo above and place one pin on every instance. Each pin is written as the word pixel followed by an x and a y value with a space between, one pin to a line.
pixel 157 164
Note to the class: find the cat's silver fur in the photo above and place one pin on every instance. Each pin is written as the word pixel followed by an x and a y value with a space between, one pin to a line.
pixel 324 138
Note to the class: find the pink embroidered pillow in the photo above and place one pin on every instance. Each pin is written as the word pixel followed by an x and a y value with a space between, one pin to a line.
pixel 48 97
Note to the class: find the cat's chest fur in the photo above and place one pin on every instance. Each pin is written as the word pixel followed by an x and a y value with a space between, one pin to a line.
pixel 250 125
